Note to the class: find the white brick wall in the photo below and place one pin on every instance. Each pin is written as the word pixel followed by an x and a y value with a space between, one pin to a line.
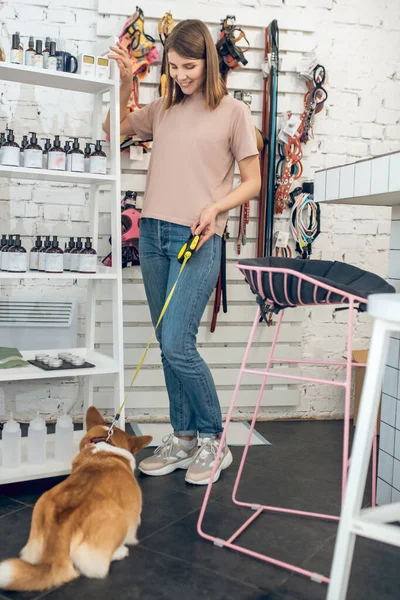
pixel 359 43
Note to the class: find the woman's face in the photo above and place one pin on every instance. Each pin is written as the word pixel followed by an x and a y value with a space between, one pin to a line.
pixel 189 73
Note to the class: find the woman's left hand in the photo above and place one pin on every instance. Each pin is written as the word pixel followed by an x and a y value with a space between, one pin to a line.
pixel 205 225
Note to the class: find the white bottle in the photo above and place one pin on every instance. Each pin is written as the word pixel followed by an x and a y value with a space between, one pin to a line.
pixel 64 438
pixel 12 444
pixel 37 438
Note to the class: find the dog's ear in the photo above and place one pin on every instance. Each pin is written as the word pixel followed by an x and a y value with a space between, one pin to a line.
pixel 93 418
pixel 137 442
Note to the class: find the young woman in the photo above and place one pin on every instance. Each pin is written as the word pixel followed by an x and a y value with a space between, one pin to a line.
pixel 198 132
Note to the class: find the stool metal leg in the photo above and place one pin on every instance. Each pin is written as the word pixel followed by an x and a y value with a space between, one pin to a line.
pixel 363 440
pixel 225 431
pixel 257 408
pixel 347 402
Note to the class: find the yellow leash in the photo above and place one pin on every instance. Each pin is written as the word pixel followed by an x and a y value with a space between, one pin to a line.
pixel 185 253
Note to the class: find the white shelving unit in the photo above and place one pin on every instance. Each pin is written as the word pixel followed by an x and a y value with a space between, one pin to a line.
pixel 104 365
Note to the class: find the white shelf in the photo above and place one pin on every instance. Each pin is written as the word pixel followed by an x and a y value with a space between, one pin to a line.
pixel 104 365
pixel 371 182
pixel 51 468
pixel 53 79
pixel 102 273
pixel 62 176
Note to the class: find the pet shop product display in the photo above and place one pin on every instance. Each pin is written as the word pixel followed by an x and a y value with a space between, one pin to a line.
pixel 52 59
pixel 66 62
pixel 54 258
pixel 12 444
pixel 37 441
pixel 17 51
pixel 42 253
pixel 24 143
pixel 102 68
pixel 289 167
pixel 98 160
pixel 87 152
pixel 86 65
pixel 30 52
pixel 165 27
pixel 270 70
pixel 2 140
pixel 67 150
pixel 17 257
pixel 33 153
pixel 56 363
pixel 142 53
pixel 64 438
pixel 53 156
pixel 38 58
pixel 5 244
pixel 46 148
pixel 10 151
pixel 130 222
pixel 88 258
pixel 57 157
pixel 67 253
pixel 77 158
pixel 46 53
pixel 34 254
pixel 74 256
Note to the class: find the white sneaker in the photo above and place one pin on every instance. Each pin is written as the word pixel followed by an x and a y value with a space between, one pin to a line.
pixel 168 457
pixel 200 470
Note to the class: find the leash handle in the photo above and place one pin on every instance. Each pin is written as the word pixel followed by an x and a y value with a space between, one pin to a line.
pixel 188 248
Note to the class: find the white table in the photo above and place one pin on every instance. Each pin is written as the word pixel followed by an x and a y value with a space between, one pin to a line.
pixel 376 182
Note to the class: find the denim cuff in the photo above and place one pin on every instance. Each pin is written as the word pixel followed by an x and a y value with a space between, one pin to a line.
pixel 191 432
pixel 209 435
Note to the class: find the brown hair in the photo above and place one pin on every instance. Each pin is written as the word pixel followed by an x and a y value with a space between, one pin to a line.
pixel 192 39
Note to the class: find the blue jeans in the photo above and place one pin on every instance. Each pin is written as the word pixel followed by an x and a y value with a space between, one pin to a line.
pixel 194 404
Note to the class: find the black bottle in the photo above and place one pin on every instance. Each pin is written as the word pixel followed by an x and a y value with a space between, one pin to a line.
pixel 77 157
pixel 34 255
pixel 10 151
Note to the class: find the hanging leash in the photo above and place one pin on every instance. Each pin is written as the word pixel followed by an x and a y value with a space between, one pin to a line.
pixel 142 53
pixel 270 71
pixel 289 167
pixel 184 255
pixel 165 26
pixel 305 223
pixel 229 54
pixel 221 287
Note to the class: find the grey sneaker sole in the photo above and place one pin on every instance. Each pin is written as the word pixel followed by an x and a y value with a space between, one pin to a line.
pixel 183 464
pixel 227 461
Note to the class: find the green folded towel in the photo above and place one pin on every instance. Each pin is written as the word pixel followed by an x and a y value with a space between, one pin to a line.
pixel 11 358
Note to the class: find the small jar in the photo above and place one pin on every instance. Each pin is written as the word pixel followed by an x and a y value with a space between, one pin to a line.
pixel 78 361
pixel 41 356
pixel 64 355
pixel 56 363
pixel 46 359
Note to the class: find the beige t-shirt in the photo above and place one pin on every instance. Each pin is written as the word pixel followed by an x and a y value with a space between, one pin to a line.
pixel 193 155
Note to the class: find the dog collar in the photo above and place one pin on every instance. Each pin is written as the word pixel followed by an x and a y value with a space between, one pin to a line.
pixel 97 440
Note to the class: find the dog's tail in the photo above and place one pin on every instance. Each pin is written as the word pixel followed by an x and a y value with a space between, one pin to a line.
pixel 20 576
pixel 45 561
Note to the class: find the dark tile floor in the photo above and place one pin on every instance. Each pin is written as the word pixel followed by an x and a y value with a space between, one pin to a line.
pixel 300 470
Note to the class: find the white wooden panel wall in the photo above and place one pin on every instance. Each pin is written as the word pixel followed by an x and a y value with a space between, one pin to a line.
pixel 224 349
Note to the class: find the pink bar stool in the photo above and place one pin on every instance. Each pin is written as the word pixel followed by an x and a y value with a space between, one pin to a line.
pixel 279 284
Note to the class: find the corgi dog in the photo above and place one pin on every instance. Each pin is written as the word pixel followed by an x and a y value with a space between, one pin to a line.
pixel 82 524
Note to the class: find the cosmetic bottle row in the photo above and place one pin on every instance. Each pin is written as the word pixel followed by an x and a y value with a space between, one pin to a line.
pixel 52 156
pixel 48 57
pixel 35 55
pixel 47 256
pixel 37 442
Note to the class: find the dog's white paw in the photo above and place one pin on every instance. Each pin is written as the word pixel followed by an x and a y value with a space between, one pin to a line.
pixel 120 553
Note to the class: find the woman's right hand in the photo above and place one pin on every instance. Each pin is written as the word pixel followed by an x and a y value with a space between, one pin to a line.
pixel 121 56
